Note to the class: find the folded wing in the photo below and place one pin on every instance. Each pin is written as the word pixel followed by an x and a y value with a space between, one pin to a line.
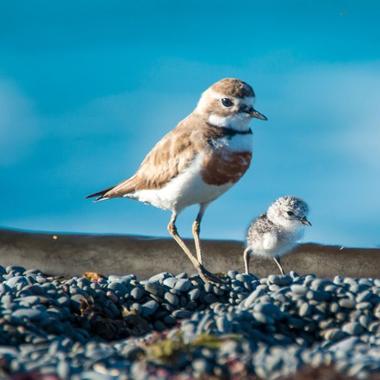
pixel 170 156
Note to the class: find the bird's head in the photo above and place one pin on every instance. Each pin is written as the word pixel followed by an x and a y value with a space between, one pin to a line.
pixel 229 103
pixel 289 212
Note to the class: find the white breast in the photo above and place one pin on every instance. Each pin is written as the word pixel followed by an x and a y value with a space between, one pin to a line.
pixel 237 143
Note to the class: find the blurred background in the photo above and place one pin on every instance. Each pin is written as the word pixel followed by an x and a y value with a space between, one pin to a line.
pixel 88 87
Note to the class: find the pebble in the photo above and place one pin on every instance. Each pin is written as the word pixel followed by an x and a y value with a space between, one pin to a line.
pixel 347 303
pixel 74 328
pixel 305 309
pixel 181 314
pixel 170 282
pixel 183 285
pixel 194 294
pixel 172 299
pixel 137 293
pixel 298 289
pixel 160 277
pixel 15 269
pixel 149 308
pixel 352 328
pixel 31 314
pixel 201 366
pixel 280 280
pixel 154 288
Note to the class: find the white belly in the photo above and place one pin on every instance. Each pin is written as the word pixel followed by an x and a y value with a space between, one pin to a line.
pixel 272 244
pixel 186 189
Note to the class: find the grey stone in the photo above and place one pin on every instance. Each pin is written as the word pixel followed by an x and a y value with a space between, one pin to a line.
pixel 155 288
pixel 149 308
pixel 280 280
pixel 63 369
pixel 170 282
pixel 63 300
pixel 183 285
pixel 15 269
pixel 347 303
pixel 209 298
pixel 363 306
pixel 364 296
pixel 223 324
pixel 77 300
pixel 171 298
pixel 298 289
pixel 113 278
pixel 30 300
pixel 305 309
pixel 201 366
pixel 16 281
pixel 194 294
pixel 160 277
pixel 248 302
pixel 181 314
pixel 132 352
pixel 137 293
pixel 352 328
pixel 334 334
pixel 32 314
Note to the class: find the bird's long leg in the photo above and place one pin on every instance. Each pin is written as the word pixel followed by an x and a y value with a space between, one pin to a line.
pixel 196 230
pixel 247 257
pixel 278 262
pixel 172 228
pixel 203 272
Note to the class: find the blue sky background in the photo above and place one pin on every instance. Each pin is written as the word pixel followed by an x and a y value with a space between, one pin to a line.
pixel 88 87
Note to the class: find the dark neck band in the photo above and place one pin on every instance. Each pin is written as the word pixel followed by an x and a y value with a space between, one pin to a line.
pixel 230 131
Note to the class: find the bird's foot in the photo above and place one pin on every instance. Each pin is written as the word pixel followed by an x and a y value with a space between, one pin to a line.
pixel 207 276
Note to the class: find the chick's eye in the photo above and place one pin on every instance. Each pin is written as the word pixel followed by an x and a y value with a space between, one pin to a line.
pixel 227 102
pixel 290 213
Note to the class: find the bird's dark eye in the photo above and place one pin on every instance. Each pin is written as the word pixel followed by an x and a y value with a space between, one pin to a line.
pixel 227 102
pixel 290 213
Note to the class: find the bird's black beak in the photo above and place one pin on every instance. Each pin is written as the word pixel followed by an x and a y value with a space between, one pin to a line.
pixel 305 221
pixel 256 114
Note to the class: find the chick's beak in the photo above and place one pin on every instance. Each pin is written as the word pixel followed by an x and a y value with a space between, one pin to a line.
pixel 305 221
pixel 256 114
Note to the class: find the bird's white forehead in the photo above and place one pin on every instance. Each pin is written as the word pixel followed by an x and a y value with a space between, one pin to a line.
pixel 212 94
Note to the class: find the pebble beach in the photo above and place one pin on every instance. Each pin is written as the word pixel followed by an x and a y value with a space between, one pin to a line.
pixel 177 327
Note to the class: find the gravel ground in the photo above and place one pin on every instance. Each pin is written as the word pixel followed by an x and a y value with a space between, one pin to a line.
pixel 96 327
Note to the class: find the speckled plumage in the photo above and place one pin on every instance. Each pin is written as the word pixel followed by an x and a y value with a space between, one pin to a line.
pixel 276 232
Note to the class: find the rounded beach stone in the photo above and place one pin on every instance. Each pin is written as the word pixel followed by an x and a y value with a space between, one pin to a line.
pixel 183 285
pixel 149 308
pixel 181 314
pixel 137 293
pixel 305 309
pixel 194 294
pixel 347 303
pixel 352 328
pixel 201 366
pixel 154 288
pixel 171 298
pixel 32 314
pixel 170 282
pixel 160 277
pixel 15 269
pixel 298 289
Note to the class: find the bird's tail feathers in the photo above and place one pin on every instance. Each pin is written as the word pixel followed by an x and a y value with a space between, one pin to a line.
pixel 100 195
